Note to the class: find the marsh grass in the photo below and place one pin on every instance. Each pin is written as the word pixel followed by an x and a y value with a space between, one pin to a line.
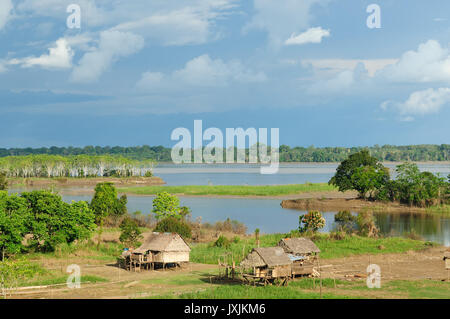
pixel 231 190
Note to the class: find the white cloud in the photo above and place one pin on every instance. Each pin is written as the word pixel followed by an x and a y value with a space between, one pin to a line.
pixel 6 8
pixel 203 71
pixel 170 22
pixel 112 46
pixel 339 65
pixel 421 102
pixel 2 66
pixel 312 35
pixel 430 63
pixel 281 19
pixel 150 80
pixel 179 27
pixel 59 57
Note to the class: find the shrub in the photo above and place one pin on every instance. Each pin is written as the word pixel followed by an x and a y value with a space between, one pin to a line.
pixel 3 181
pixel 312 221
pixel 130 234
pixel 174 225
pixel 166 205
pixel 345 221
pixel 366 224
pixel 148 174
pixel 222 241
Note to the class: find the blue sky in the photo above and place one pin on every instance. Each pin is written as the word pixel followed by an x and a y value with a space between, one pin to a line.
pixel 136 70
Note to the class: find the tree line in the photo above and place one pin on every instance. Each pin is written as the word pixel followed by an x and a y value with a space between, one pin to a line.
pixel 287 153
pixel 74 166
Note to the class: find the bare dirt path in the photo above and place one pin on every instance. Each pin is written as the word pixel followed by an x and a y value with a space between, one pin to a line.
pixel 417 265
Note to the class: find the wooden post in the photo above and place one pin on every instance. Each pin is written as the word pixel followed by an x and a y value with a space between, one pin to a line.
pixel 320 276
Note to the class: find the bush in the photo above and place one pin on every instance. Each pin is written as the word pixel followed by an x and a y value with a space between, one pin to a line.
pixel 232 226
pixel 345 221
pixel 174 225
pixel 3 181
pixel 312 221
pixel 366 225
pixel 130 234
pixel 148 174
pixel 222 241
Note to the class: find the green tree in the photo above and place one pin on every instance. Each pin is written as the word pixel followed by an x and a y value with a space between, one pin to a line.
pixel 166 205
pixel 312 221
pixel 130 232
pixel 53 222
pixel 13 214
pixel 3 181
pixel 418 188
pixel 105 202
pixel 360 172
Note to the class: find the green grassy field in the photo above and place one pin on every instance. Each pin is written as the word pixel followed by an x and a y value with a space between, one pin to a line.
pixel 351 245
pixel 230 190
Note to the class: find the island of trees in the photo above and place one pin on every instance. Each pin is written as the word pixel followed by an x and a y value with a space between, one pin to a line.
pixel 366 175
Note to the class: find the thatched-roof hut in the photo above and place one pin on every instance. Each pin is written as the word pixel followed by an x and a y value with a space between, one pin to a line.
pixel 302 252
pixel 268 262
pixel 161 248
pixel 299 246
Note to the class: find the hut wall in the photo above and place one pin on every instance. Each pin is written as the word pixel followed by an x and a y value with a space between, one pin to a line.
pixel 447 263
pixel 281 271
pixel 174 256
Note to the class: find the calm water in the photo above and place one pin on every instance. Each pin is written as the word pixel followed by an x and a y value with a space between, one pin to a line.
pixel 269 217
pixel 248 174
pixel 267 214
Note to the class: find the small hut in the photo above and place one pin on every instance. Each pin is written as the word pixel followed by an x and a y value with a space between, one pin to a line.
pixel 303 253
pixel 268 264
pixel 160 249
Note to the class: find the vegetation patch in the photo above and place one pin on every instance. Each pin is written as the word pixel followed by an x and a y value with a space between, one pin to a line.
pixel 231 190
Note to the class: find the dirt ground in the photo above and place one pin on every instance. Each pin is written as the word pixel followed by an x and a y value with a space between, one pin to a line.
pixel 122 284
pixel 413 265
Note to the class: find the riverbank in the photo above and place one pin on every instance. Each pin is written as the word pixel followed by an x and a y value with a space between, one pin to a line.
pixel 356 205
pixel 83 182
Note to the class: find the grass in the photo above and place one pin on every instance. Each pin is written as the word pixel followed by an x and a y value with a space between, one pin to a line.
pixel 308 288
pixel 230 190
pixel 351 245
pixel 251 292
pixel 61 280
pixel 439 209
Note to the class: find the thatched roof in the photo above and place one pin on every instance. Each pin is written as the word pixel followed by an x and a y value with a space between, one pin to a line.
pixel 163 242
pixel 447 255
pixel 298 246
pixel 267 256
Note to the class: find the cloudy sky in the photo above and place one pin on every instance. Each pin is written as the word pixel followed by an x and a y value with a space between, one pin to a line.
pixel 136 70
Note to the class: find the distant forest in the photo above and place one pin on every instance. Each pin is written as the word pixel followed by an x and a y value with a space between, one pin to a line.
pixel 287 154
